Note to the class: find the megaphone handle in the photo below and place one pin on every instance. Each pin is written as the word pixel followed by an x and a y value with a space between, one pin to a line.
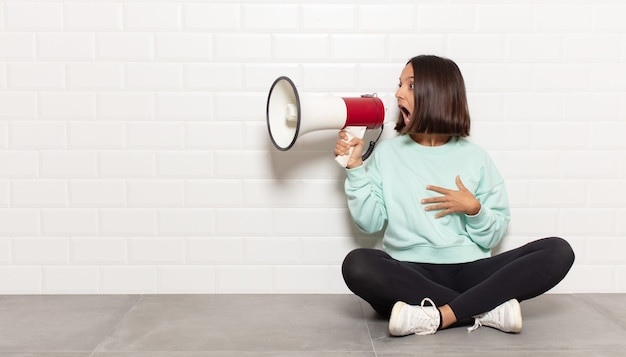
pixel 352 132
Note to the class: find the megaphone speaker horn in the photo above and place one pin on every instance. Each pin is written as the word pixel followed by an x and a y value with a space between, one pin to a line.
pixel 291 115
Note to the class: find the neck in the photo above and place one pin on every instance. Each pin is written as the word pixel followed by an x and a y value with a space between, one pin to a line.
pixel 430 139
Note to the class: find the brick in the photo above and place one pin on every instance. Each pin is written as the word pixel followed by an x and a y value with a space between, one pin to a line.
pixel 534 48
pixel 585 164
pixel 126 106
pixel 302 279
pixel 67 106
pixel 606 135
pixel 19 222
pixel 33 16
pixel 39 193
pixel 558 193
pixel 93 17
pixel 607 17
pixel 127 164
pixel 17 46
pixel 510 18
pixel 272 251
pixel 154 76
pixel 503 77
pixel 358 47
pixel 559 135
pixel 69 222
pixel 142 193
pixel 161 251
pixel 65 46
pixel 592 47
pixel 37 135
pixel 216 17
pixel 152 16
pixel 242 279
pixel 215 135
pixel 427 43
pixel 71 280
pixel 477 47
pixel 187 164
pixel 581 222
pixel 36 76
pixel 591 106
pixel 214 76
pixel 90 135
pixel 488 134
pixel 128 279
pixel 185 106
pixel 142 135
pixel 570 18
pixel 95 76
pixel 215 250
pixel 97 193
pixel 531 164
pixel 449 18
pixel 299 222
pixel 68 164
pixel 127 222
pixel 20 279
pixel 533 221
pixel 275 17
pixel 183 46
pixel 214 193
pixel 186 222
pixel 124 46
pixel 45 250
pixel 329 17
pixel 19 164
pixel 243 222
pixel 239 47
pixel 186 279
pixel 606 193
pixel 98 251
pixel 388 17
pixel 303 47
pixel 561 77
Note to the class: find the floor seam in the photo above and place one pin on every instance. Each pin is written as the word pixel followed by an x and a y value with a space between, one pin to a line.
pixel 106 335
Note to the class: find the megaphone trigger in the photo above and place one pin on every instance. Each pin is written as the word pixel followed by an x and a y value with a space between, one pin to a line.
pixel 352 132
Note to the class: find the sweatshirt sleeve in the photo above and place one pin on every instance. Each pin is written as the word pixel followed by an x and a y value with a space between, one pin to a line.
pixel 489 225
pixel 364 192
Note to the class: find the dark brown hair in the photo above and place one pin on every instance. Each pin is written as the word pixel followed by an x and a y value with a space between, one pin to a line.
pixel 440 99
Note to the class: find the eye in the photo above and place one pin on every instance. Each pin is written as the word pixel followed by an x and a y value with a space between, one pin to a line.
pixel 412 86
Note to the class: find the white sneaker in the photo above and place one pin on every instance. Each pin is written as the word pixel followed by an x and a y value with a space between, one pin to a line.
pixel 420 320
pixel 506 317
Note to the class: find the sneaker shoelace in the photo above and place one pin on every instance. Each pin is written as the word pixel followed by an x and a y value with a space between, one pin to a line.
pixel 487 315
pixel 431 317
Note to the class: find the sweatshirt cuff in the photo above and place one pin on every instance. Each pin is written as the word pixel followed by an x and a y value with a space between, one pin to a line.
pixel 480 218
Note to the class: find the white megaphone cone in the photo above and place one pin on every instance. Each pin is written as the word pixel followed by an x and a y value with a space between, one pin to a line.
pixel 291 115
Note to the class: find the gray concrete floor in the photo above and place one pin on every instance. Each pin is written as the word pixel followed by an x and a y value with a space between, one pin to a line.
pixel 289 325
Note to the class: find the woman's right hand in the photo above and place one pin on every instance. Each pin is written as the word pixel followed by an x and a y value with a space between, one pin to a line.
pixel 342 148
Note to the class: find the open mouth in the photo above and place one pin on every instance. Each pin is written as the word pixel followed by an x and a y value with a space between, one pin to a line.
pixel 406 114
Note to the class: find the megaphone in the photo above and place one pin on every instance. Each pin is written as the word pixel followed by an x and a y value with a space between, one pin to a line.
pixel 291 115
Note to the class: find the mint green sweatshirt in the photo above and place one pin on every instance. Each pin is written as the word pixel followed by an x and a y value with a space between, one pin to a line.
pixel 386 193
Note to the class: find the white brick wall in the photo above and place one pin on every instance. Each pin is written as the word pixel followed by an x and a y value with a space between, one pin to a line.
pixel 134 155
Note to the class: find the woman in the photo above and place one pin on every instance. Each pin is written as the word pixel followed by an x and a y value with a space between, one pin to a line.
pixel 443 206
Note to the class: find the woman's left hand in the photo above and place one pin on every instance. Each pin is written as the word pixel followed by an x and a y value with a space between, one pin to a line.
pixel 452 201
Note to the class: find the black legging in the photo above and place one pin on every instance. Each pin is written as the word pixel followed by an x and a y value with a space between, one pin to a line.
pixel 469 289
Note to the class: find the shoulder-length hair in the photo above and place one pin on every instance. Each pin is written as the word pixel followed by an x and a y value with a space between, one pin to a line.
pixel 440 99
